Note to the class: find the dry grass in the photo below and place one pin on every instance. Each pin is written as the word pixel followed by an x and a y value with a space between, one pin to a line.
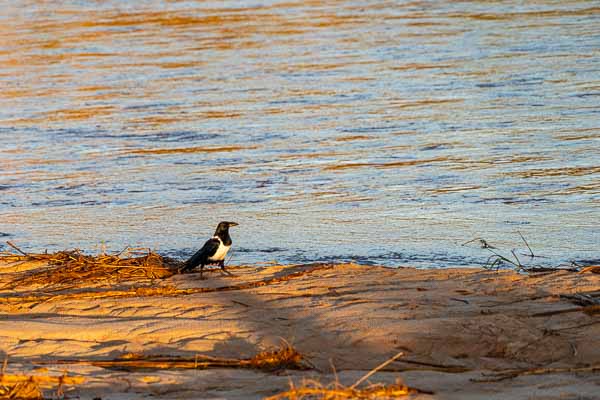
pixel 311 390
pixel 70 267
pixel 314 390
pixel 27 390
pixel 284 358
pixel 28 387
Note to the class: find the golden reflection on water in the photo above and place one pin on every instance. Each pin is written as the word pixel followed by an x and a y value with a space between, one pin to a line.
pixel 572 171
pixel 395 164
pixel 465 117
pixel 191 150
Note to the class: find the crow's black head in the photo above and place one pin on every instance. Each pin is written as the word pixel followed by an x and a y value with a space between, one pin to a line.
pixel 223 231
pixel 224 226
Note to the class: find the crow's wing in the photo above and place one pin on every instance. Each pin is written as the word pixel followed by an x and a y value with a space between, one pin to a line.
pixel 202 255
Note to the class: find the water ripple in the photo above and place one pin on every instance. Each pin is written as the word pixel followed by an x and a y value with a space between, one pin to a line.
pixel 365 130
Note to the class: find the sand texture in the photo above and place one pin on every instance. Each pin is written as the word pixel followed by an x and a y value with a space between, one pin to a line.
pixel 465 333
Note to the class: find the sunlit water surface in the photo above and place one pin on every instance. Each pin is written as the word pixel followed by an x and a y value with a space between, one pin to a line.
pixel 381 132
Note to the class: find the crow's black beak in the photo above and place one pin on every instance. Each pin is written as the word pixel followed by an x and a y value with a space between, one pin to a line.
pixel 232 224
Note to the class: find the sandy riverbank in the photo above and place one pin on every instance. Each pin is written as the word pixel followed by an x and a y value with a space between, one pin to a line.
pixel 456 328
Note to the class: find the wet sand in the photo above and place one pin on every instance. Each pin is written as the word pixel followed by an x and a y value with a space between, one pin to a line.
pixel 459 329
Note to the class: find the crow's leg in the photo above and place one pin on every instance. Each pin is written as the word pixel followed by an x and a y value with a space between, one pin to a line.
pixel 222 264
pixel 201 269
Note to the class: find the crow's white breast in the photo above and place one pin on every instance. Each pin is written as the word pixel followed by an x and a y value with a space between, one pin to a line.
pixel 221 251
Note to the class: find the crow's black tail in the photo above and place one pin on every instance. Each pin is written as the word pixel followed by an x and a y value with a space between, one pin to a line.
pixel 193 261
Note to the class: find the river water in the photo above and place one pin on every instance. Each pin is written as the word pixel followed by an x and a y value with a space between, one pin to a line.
pixel 377 131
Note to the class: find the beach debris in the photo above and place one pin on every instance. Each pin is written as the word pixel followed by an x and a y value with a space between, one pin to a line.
pixel 497 260
pixel 28 387
pixel 589 304
pixel 70 267
pixel 26 390
pixel 314 390
pixel 583 299
pixel 151 290
pixel 513 373
pixel 286 357
pixel 591 268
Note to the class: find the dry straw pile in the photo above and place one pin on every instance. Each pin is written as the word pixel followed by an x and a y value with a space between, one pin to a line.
pixel 70 267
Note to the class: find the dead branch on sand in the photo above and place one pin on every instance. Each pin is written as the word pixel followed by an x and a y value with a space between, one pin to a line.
pixel 583 299
pixel 589 302
pixel 285 357
pixel 513 373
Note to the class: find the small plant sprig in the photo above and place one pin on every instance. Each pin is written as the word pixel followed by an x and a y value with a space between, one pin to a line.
pixel 497 259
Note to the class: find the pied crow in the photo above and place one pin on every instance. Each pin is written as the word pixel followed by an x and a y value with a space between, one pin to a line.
pixel 214 250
